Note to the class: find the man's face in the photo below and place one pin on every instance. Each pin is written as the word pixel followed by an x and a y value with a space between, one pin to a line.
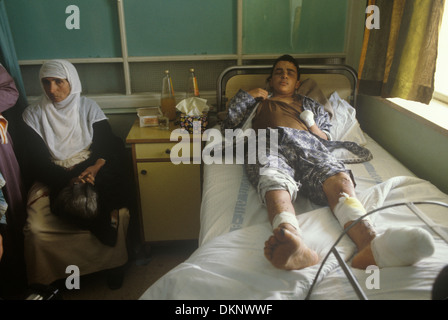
pixel 284 78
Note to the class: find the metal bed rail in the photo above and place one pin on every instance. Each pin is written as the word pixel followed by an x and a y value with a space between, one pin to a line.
pixel 347 271
pixel 346 70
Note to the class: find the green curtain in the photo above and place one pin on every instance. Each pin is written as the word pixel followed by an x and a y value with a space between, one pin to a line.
pixel 8 56
pixel 399 58
pixel 8 59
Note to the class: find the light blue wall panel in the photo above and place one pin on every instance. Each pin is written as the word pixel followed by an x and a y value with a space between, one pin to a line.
pixel 294 26
pixel 179 27
pixel 39 29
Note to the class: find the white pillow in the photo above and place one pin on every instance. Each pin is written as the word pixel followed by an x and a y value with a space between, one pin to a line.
pixel 345 126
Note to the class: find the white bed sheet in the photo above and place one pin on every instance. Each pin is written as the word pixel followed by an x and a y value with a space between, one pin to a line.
pixel 229 264
pixel 410 283
pixel 232 266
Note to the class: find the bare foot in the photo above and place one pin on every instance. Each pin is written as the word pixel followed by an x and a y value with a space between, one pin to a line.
pixel 285 250
pixel 362 235
pixel 363 258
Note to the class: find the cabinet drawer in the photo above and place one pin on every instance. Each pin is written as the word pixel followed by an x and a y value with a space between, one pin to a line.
pixel 153 150
pixel 182 151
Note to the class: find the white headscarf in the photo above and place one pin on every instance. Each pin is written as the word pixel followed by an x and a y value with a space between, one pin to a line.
pixel 66 126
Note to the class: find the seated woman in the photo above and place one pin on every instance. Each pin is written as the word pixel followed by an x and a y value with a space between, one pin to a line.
pixel 71 142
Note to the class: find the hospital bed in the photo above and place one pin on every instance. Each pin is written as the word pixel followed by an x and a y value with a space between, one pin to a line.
pixel 229 263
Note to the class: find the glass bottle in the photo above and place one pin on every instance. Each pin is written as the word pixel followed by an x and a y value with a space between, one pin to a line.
pixel 193 89
pixel 167 99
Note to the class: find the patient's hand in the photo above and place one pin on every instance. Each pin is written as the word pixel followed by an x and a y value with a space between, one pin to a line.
pixel 258 93
pixel 308 118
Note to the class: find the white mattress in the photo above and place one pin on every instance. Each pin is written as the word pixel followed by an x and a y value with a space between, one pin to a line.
pixel 229 264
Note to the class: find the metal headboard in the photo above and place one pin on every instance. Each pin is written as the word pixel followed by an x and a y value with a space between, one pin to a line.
pixel 228 73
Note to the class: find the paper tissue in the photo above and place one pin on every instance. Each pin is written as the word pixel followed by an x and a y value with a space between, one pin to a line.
pixel 193 109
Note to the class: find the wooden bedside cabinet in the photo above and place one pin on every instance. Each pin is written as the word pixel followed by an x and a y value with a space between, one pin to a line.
pixel 169 194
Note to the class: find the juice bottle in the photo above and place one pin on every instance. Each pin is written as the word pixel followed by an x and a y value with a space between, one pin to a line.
pixel 193 89
pixel 167 99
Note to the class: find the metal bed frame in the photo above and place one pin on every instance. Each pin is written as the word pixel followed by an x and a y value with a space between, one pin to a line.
pixel 348 273
pixel 353 77
pixel 348 71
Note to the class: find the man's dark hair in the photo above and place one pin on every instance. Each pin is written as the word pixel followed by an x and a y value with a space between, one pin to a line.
pixel 289 58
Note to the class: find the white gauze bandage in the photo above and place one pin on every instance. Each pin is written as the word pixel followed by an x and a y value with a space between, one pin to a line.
pixel 276 179
pixel 349 209
pixel 404 246
pixel 285 217
pixel 308 118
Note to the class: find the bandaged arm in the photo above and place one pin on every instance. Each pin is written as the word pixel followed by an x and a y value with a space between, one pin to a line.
pixel 307 117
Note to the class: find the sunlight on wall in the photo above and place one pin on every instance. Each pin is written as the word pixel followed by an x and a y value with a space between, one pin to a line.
pixel 436 111
pixel 441 77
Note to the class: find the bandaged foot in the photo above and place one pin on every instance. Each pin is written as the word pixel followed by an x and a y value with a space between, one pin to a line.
pixel 404 246
pixel 397 247
pixel 285 249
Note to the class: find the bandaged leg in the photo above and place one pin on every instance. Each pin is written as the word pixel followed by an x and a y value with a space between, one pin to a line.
pixel 285 217
pixel 395 247
pixel 276 179
pixel 402 247
pixel 349 209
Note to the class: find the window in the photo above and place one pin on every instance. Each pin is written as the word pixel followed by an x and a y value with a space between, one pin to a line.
pixel 441 76
pixel 437 111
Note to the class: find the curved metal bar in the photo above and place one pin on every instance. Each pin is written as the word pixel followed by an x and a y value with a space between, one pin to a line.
pixel 344 232
pixel 348 273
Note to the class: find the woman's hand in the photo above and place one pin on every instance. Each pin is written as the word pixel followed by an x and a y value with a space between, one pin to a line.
pixel 89 174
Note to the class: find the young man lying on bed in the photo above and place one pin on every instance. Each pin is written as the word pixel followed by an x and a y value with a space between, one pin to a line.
pixel 302 160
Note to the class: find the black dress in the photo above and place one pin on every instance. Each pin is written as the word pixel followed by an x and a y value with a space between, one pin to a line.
pixel 112 183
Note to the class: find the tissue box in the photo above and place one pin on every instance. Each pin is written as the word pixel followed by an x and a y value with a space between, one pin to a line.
pixel 186 122
pixel 149 117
